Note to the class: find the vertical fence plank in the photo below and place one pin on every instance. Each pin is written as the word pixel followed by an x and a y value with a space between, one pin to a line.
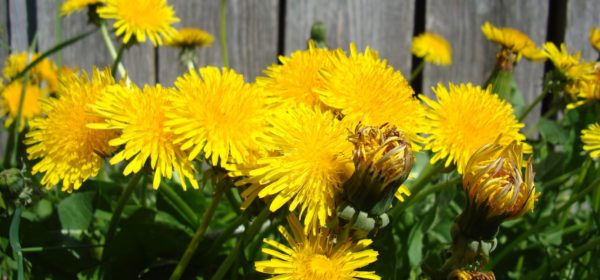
pixel 91 51
pixel 384 25
pixel 473 55
pixel 4 31
pixel 18 25
pixel 581 17
pixel 82 55
pixel 251 36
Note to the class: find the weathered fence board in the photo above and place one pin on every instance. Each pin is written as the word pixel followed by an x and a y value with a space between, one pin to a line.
pixel 251 36
pixel 4 31
pixel 139 60
pixel 581 17
pixel 18 25
pixel 473 55
pixel 383 25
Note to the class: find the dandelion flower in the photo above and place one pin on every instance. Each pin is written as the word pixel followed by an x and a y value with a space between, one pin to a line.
pixel 152 18
pixel 569 65
pixel 454 137
pixel 587 91
pixel 367 90
pixel 217 114
pixel 11 96
pixel 68 150
pixel 191 37
pixel 514 40
pixel 70 6
pixel 311 159
pixel 296 78
pixel 140 118
pixel 433 48
pixel 595 38
pixel 591 140
pixel 45 70
pixel 316 256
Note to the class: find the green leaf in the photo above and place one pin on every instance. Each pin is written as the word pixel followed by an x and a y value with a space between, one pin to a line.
pixel 552 132
pixel 76 211
pixel 415 246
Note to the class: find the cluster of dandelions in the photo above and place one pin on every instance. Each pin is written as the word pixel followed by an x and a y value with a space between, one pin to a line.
pixel 327 134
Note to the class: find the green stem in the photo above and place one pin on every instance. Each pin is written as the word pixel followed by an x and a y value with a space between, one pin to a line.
pixel 418 184
pixel 426 192
pixel 179 204
pixel 193 245
pixel 118 58
pixel 534 103
pixel 248 235
pixel 223 33
pixel 50 52
pixel 591 244
pixel 227 233
pixel 542 223
pixel 190 65
pixel 234 201
pixel 112 51
pixel 13 236
pixel 417 71
pixel 114 221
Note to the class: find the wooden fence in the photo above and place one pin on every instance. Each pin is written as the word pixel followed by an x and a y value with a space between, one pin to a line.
pixel 260 30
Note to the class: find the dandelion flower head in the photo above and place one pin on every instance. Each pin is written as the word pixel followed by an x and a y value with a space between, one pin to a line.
pixel 591 140
pixel 514 40
pixel 11 96
pixel 368 90
pixel 69 151
pixel 316 256
pixel 595 38
pixel 296 78
pixel 311 159
pixel 190 37
pixel 140 116
pixel 70 6
pixel 141 18
pixel 217 114
pixel 433 48
pixel 454 137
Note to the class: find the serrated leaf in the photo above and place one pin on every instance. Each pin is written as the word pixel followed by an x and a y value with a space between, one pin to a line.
pixel 552 132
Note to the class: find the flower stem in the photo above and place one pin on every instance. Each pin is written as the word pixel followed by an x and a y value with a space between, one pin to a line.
pixel 193 245
pixel 13 236
pixel 418 184
pixel 223 33
pixel 242 242
pixel 118 59
pixel 534 104
pixel 114 221
pixel 426 192
pixel 417 71
pixel 179 204
pixel 112 51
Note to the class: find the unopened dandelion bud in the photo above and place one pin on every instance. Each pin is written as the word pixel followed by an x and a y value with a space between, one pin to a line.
pixel 460 274
pixel 496 189
pixel 382 159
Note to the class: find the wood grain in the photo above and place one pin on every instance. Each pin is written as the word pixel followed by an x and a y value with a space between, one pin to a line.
pixel 383 25
pixel 473 55
pixel 18 25
pixel 91 51
pixel 581 17
pixel 251 36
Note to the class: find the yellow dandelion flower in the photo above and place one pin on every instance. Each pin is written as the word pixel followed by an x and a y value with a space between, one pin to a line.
pixel 494 183
pixel 587 91
pixel 45 70
pixel 191 37
pixel 570 65
pixel 217 114
pixel 433 48
pixel 367 90
pixel 454 137
pixel 70 6
pixel 591 140
pixel 310 161
pixel 316 256
pixel 595 38
pixel 514 40
pixel 152 18
pixel 294 80
pixel 11 96
pixel 140 118
pixel 68 150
